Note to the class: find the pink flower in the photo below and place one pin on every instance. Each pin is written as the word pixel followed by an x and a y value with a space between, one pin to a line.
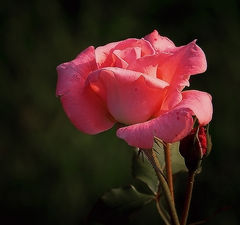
pixel 137 83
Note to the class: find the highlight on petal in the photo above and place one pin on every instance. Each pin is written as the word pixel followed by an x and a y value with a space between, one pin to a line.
pixel 200 103
pixel 170 127
pixel 160 43
pixel 83 107
pixel 102 54
pixel 131 97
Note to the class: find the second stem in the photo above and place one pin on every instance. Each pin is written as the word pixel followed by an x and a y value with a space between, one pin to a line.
pixel 167 153
pixel 188 198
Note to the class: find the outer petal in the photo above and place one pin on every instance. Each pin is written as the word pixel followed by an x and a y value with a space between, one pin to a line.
pixel 131 96
pixel 104 53
pixel 170 127
pixel 160 44
pixel 176 70
pixel 79 67
pixel 83 107
pixel 173 125
pixel 182 62
pixel 200 103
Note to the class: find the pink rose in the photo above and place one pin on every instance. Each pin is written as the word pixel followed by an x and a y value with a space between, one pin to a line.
pixel 137 83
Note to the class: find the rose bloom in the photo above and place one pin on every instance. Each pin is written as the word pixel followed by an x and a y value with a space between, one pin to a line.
pixel 137 83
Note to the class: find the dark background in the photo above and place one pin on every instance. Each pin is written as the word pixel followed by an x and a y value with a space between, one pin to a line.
pixel 50 173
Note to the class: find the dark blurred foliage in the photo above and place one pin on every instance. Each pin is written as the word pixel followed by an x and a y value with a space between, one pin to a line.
pixel 50 173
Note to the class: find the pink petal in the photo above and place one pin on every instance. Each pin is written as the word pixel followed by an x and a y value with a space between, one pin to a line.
pixel 200 103
pixel 123 57
pixel 173 97
pixel 104 53
pixel 170 127
pixel 177 68
pixel 119 62
pixel 182 62
pixel 76 70
pixel 126 56
pixel 131 97
pixel 160 44
pixel 83 107
pixel 146 47
pixel 129 54
pixel 147 65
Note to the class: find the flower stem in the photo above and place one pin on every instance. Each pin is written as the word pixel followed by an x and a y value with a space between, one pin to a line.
pixel 167 153
pixel 155 164
pixel 191 176
pixel 162 214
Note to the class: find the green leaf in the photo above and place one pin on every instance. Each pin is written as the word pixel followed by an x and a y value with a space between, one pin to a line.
pixel 115 206
pixel 143 171
pixel 127 198
pixel 178 164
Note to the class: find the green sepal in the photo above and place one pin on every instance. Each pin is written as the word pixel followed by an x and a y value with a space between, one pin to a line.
pixel 209 142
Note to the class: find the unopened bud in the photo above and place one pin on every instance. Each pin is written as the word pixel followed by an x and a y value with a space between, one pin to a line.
pixel 194 148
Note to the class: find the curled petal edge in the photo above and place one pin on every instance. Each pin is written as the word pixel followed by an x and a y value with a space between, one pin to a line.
pixel 170 127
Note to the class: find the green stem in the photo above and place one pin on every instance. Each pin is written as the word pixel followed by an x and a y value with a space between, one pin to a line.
pixel 188 198
pixel 162 214
pixel 155 164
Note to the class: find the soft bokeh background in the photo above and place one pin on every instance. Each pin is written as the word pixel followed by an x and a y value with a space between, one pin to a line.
pixel 52 174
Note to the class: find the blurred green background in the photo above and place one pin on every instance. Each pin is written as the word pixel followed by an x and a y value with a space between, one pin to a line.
pixel 50 173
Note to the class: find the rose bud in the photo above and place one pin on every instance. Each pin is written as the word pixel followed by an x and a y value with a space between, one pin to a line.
pixel 194 148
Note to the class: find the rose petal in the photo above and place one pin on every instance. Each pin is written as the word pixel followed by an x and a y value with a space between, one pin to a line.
pixel 169 127
pixel 172 98
pixel 177 68
pixel 131 97
pixel 104 53
pixel 147 65
pixel 79 67
pixel 146 47
pixel 173 125
pixel 182 62
pixel 161 44
pixel 200 103
pixel 119 62
pixel 123 57
pixel 128 54
pixel 83 107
